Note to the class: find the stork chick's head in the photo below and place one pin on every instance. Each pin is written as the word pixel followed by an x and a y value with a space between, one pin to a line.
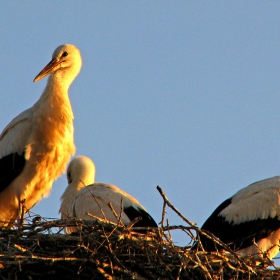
pixel 80 172
pixel 66 63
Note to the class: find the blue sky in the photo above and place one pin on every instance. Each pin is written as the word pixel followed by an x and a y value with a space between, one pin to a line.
pixel 181 94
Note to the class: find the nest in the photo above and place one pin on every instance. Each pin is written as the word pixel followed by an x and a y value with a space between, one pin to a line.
pixel 38 249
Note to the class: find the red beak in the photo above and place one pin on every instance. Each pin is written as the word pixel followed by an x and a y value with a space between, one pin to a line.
pixel 51 67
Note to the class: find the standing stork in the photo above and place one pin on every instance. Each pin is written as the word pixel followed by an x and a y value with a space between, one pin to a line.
pixel 250 216
pixel 83 195
pixel 36 146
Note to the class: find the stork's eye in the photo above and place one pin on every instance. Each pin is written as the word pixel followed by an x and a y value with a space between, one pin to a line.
pixel 69 177
pixel 65 54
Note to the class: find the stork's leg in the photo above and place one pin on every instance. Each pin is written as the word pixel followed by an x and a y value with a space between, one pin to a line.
pixel 21 212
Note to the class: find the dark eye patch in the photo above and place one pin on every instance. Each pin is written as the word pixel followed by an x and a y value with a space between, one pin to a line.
pixel 69 177
pixel 65 54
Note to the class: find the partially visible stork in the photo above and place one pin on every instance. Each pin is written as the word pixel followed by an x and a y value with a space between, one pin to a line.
pixel 36 146
pixel 83 195
pixel 251 215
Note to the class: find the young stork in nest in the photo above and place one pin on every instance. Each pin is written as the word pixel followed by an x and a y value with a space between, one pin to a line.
pixel 36 146
pixel 83 196
pixel 250 217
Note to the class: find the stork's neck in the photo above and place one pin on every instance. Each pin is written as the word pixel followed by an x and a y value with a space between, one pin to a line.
pixel 55 96
pixel 53 113
pixel 71 191
pixel 57 85
pixel 79 184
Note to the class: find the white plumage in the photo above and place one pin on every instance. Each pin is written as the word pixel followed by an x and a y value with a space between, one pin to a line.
pixel 253 213
pixel 83 195
pixel 36 146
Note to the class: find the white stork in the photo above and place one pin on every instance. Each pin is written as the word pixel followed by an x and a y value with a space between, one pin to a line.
pixel 83 195
pixel 36 146
pixel 251 215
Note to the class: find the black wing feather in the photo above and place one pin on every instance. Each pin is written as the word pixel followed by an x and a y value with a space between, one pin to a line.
pixel 147 220
pixel 236 236
pixel 10 167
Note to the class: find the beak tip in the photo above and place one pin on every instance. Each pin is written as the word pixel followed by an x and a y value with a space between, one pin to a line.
pixel 49 68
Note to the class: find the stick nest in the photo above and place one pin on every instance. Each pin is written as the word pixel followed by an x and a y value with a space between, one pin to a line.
pixel 38 249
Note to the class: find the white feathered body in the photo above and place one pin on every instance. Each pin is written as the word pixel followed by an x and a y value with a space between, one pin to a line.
pixel 45 134
pixel 36 146
pixel 98 195
pixel 83 196
pixel 260 200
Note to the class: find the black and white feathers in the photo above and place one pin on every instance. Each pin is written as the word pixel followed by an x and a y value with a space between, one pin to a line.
pixel 83 195
pixel 251 215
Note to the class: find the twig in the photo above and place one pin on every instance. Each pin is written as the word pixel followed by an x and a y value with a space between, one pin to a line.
pixel 133 222
pixel 206 233
pixel 97 203
pixel 163 213
pixel 118 218
pixel 174 208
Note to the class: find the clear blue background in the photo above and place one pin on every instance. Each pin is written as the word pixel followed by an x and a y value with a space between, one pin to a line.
pixel 181 94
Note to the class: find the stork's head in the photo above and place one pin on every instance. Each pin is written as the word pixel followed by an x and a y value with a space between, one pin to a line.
pixel 66 63
pixel 81 172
